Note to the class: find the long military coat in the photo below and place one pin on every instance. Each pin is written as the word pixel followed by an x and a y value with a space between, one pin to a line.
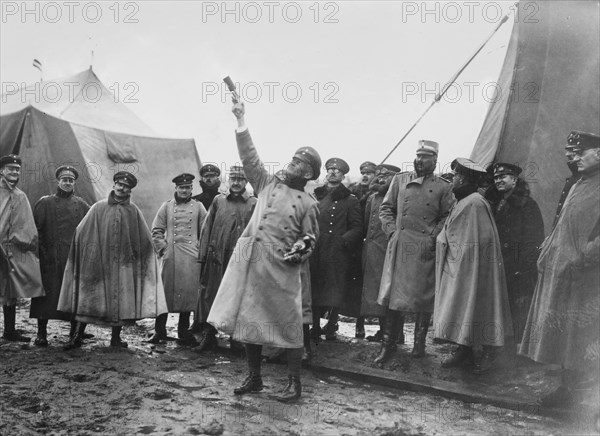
pixel 373 256
pixel 563 324
pixel 112 276
pixel 471 302
pixel 176 232
pixel 227 218
pixel 340 223
pixel 56 218
pixel 521 231
pixel 19 263
pixel 412 213
pixel 260 297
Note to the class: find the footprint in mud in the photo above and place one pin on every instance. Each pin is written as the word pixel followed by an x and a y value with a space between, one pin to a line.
pixel 159 395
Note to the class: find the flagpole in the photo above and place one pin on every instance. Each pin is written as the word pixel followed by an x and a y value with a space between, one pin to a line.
pixel 439 96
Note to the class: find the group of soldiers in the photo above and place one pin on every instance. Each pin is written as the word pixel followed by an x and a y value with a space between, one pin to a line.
pixel 463 252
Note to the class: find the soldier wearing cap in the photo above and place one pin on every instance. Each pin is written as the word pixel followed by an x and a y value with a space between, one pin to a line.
pixel 572 139
pixel 412 214
pixel 210 180
pixel 56 218
pixel 227 218
pixel 340 222
pixel 563 323
pixel 351 307
pixel 259 301
pixel 112 276
pixel 374 248
pixel 471 302
pixel 176 232
pixel 521 230
pixel 19 264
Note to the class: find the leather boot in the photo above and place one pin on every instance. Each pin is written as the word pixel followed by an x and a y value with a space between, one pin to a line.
pixel 461 355
pixel 10 333
pixel 115 340
pixel 421 328
pixel 315 331
pixel 160 329
pixel 291 392
pixel 400 328
pixel 208 339
pixel 390 336
pixel 484 360
pixel 252 383
pixel 332 325
pixel 185 338
pixel 76 341
pixel 360 328
pixel 307 351
pixel 378 336
pixel 41 339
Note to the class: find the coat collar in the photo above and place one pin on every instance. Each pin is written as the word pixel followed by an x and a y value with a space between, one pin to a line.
pixel 339 193
pixel 517 198
pixel 113 200
pixel 244 196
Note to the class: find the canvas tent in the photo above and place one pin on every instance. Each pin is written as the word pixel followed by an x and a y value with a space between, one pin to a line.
pixel 549 85
pixel 78 121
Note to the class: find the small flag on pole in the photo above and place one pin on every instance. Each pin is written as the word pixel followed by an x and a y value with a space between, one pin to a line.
pixel 37 64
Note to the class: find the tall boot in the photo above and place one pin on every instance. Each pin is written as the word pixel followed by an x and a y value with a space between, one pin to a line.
pixel 378 336
pixel 292 391
pixel 332 324
pixel 484 360
pixel 73 329
pixel 185 337
pixel 41 339
pixel 76 341
pixel 10 333
pixel 400 328
pixel 253 382
pixel 315 332
pixel 390 336
pixel 421 328
pixel 307 351
pixel 160 329
pixel 360 328
pixel 208 339
pixel 115 340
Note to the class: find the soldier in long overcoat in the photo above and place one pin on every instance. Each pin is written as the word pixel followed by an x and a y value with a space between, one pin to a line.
pixel 563 324
pixel 227 218
pixel 176 233
pixel 210 180
pixel 471 302
pixel 412 215
pixel 340 221
pixel 521 230
pixel 19 263
pixel 111 277
pixel 259 301
pixel 56 218
pixel 374 248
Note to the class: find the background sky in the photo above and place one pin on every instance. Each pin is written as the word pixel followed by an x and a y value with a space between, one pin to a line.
pixel 365 70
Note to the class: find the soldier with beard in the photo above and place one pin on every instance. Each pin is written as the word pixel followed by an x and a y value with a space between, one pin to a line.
pixel 210 181
pixel 374 246
pixel 570 155
pixel 412 214
pixel 56 218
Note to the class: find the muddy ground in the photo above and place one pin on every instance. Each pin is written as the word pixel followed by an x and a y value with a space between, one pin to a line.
pixel 168 389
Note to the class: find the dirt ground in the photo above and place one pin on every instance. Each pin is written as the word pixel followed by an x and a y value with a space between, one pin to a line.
pixel 168 389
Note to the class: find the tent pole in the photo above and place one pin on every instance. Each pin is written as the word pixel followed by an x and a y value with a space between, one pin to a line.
pixel 447 86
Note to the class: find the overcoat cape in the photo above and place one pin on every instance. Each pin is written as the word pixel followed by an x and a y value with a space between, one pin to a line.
pixel 56 218
pixel 413 211
pixel 373 256
pixel 227 218
pixel 112 274
pixel 471 302
pixel 175 232
pixel 19 263
pixel 260 297
pixel 563 323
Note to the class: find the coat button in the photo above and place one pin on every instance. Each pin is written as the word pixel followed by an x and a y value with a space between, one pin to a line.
pixel 257 239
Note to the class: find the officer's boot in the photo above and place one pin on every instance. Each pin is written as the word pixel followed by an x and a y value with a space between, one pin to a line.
pixel 307 351
pixel 115 340
pixel 400 321
pixel 390 336
pixel 421 328
pixel 160 329
pixel 185 337
pixel 10 333
pixel 41 339
pixel 292 391
pixel 76 341
pixel 378 336
pixel 253 382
